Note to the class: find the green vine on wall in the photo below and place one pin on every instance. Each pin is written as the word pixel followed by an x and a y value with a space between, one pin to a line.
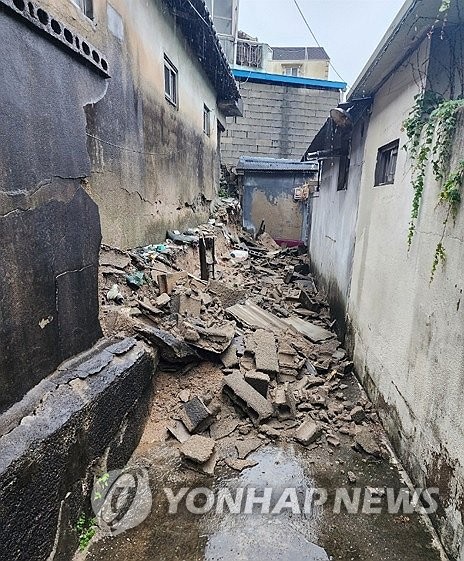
pixel 430 129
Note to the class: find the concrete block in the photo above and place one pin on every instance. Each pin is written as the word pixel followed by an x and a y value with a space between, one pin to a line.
pixel 247 398
pixel 196 416
pixel 284 403
pixel 265 352
pixel 259 381
pixel 308 432
pixel 229 358
pixel 198 449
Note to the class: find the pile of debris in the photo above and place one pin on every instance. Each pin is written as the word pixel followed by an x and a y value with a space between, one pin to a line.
pixel 262 320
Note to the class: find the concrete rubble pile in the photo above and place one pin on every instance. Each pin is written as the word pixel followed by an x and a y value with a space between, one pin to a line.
pixel 263 322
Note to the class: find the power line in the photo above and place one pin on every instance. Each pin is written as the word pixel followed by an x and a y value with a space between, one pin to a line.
pixel 315 38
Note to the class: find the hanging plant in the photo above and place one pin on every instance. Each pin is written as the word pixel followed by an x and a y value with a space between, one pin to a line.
pixel 430 129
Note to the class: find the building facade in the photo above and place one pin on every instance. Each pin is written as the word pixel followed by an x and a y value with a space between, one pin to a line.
pixel 281 115
pixel 405 330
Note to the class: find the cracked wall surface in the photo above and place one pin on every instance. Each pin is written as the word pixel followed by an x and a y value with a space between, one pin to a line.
pixel 49 225
pixel 151 161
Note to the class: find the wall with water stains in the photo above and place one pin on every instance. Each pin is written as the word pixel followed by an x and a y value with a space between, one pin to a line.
pixel 153 167
pixel 90 148
pixel 406 332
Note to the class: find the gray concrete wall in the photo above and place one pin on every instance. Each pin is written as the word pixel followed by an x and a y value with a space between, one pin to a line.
pixel 333 225
pixel 278 121
pixel 407 333
pixel 49 224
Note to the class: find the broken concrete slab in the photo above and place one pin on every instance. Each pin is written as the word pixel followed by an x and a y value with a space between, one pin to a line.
pixel 163 299
pixel 284 404
pixel 198 449
pixel 357 414
pixel 185 305
pixel 265 351
pixel 196 416
pixel 259 381
pixel 178 431
pixel 172 350
pixel 212 339
pixel 246 447
pixel 167 281
pixel 366 441
pixel 227 295
pixel 224 427
pixel 268 242
pixel 240 465
pixel 247 398
pixel 308 432
pixel 114 258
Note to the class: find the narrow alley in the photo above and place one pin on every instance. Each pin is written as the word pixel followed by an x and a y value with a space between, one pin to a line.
pixel 303 423
pixel 231 320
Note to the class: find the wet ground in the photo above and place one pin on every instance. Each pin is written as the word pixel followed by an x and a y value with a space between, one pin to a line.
pixel 296 533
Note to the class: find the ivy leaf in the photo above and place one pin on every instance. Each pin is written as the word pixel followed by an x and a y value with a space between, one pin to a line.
pixel 445 6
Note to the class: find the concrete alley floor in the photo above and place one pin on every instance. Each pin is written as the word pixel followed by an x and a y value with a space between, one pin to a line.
pixel 315 536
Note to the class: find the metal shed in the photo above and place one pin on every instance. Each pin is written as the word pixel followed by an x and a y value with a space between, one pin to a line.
pixel 277 192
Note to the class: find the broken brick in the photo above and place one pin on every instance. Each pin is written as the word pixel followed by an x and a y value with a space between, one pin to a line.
pixel 259 381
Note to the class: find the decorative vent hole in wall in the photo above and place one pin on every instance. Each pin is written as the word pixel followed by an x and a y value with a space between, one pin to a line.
pixel 38 18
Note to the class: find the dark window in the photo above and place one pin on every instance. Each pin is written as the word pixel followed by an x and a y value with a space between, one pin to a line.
pixel 206 120
pixel 170 81
pixel 86 6
pixel 385 168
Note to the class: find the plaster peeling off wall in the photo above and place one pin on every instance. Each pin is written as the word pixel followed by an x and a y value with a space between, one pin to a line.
pixel 49 225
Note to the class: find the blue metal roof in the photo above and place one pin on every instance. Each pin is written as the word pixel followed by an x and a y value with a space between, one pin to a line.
pixel 296 81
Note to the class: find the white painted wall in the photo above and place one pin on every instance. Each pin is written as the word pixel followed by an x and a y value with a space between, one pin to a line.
pixel 408 333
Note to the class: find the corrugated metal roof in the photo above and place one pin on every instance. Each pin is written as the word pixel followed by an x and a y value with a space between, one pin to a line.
pixel 299 53
pixel 251 163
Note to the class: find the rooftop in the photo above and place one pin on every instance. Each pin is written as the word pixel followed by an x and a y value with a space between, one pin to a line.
pixel 295 81
pixel 251 163
pixel 193 19
pixel 299 53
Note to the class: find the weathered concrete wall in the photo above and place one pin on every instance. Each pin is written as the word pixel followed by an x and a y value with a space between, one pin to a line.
pixel 269 197
pixel 407 334
pixel 308 68
pixel 153 168
pixel 333 226
pixel 88 423
pixel 49 225
pixel 278 121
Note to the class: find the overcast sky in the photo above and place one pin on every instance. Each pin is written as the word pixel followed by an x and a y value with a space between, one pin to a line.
pixel 349 30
